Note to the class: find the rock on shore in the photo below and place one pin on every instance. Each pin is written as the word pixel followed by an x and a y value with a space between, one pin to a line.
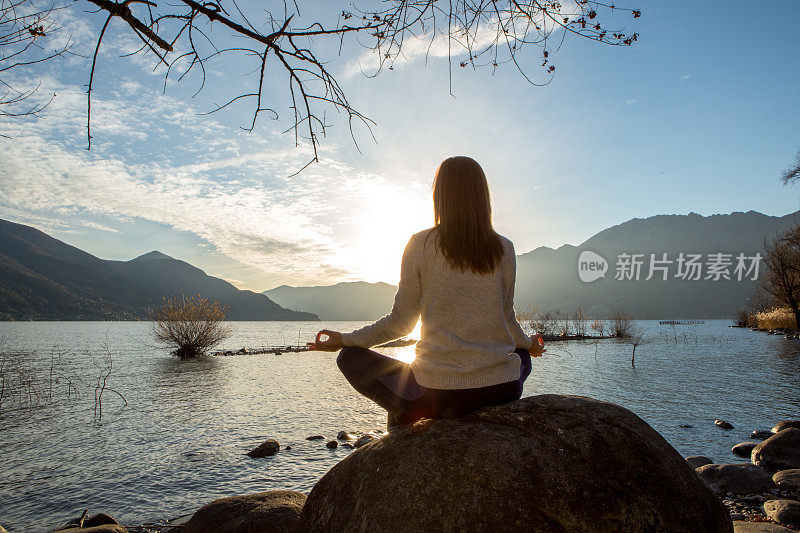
pixel 779 452
pixel 788 479
pixel 540 464
pixel 786 424
pixel 744 449
pixel 739 478
pixel 696 461
pixel 275 511
pixel 784 512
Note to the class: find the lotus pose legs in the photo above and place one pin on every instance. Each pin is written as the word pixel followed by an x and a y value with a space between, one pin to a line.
pixel 391 384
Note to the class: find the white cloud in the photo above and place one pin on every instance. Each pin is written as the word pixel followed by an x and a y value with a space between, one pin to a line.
pixel 232 191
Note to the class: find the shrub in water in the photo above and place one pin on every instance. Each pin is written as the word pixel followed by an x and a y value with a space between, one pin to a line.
pixel 190 324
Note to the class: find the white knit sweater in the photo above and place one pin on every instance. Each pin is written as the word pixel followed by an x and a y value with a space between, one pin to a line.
pixel 469 329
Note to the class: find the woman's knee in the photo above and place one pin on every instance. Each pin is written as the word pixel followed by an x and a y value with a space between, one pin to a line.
pixel 346 359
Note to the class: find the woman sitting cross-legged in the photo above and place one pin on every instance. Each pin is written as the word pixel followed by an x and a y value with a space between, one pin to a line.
pixel 458 277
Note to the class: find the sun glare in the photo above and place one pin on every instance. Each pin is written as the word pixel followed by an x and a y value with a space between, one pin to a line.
pixel 393 216
pixel 407 354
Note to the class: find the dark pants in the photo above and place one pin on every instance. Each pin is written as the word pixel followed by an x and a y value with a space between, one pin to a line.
pixel 391 384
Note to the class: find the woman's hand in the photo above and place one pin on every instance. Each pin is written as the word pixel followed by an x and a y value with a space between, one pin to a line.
pixel 327 341
pixel 537 348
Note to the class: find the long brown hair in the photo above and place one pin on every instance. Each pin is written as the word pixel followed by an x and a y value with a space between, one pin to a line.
pixel 463 213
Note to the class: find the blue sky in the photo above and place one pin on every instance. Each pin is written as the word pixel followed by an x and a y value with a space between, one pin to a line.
pixel 700 115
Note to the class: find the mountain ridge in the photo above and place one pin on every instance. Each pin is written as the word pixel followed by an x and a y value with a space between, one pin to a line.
pixel 548 278
pixel 44 278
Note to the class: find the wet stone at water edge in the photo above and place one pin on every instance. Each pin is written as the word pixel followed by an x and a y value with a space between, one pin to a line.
pixel 270 447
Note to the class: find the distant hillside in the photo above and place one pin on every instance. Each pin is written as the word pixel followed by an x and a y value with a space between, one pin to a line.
pixel 42 278
pixel 549 277
pixel 344 301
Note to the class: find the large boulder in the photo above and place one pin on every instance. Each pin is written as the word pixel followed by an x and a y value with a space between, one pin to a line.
pixel 740 478
pixel 786 424
pixel 784 512
pixel 547 463
pixel 779 452
pixel 266 512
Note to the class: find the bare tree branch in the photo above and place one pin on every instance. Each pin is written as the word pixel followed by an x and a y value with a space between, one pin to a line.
pixel 792 173
pixel 23 29
pixel 474 33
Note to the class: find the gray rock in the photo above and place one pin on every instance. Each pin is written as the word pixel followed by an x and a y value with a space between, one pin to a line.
pixel 332 444
pixel 364 439
pixel 761 434
pixel 266 512
pixel 779 452
pixel 315 437
pixel 740 478
pixel 347 445
pixel 107 528
pixel 344 435
pixel 784 512
pixel 759 527
pixel 724 424
pixel 269 447
pixel 785 424
pixel 696 461
pixel 743 449
pixel 788 479
pixel 83 523
pixel 552 463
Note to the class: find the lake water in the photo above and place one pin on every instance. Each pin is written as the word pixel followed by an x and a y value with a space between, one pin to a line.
pixel 180 441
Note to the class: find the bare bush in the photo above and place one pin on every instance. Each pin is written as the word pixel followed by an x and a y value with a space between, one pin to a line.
pixel 635 337
pixel 190 324
pixel 599 327
pixel 579 322
pixel 105 367
pixel 545 323
pixel 775 318
pixel 620 324
pixel 782 276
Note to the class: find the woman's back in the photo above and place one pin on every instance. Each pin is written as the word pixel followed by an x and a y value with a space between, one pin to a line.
pixel 469 331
